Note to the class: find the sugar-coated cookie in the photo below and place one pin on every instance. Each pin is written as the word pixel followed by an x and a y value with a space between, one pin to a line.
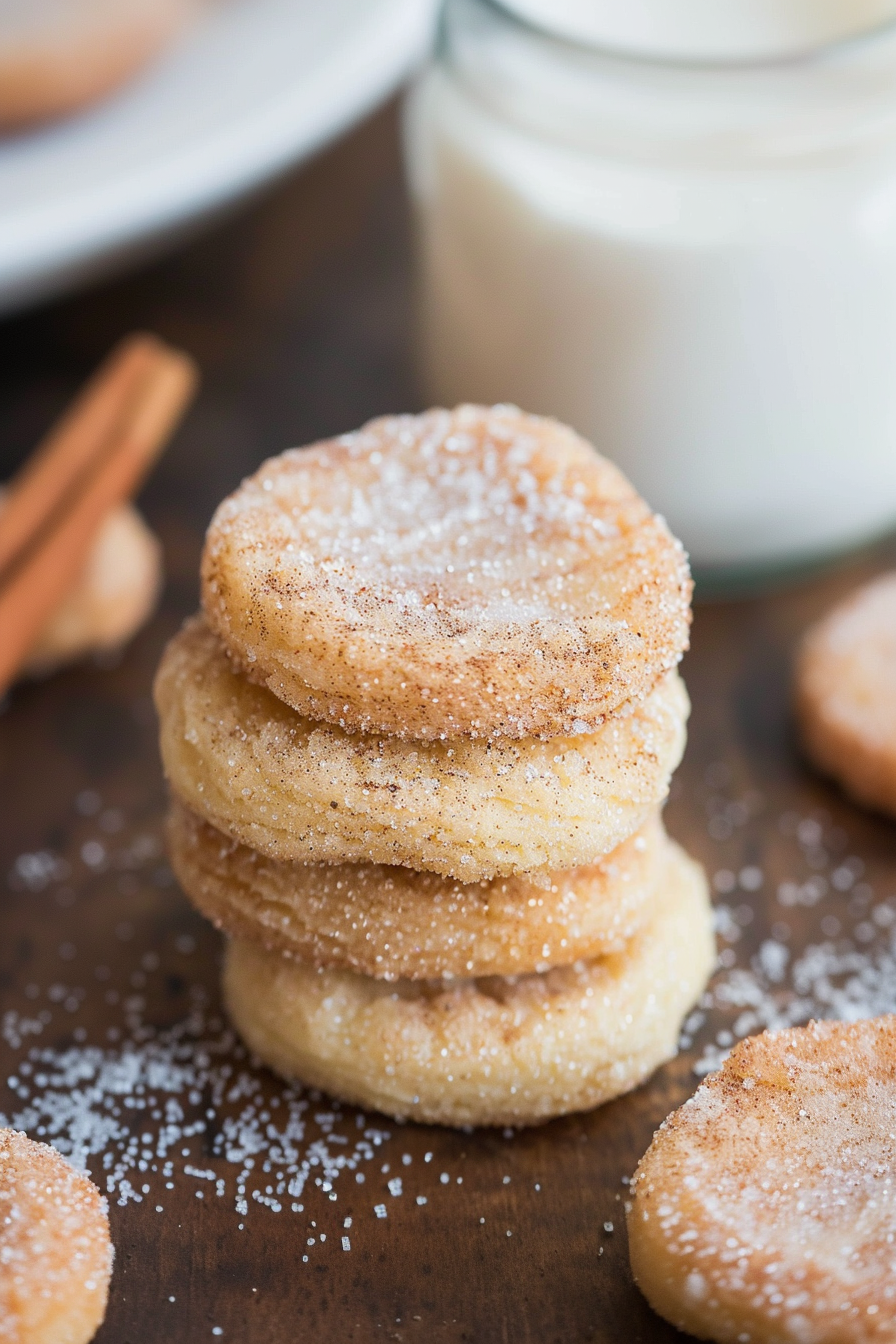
pixel 299 790
pixel 59 55
pixel 470 573
pixel 55 1250
pixel 846 694
pixel 488 1052
pixel 112 598
pixel 764 1211
pixel 395 923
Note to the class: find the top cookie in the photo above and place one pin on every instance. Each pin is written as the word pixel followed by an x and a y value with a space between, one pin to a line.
pixel 467 573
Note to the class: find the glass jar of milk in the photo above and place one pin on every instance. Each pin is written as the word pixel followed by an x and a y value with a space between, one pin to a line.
pixel 672 224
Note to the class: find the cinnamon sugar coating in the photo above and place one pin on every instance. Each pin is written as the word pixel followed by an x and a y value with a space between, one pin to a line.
pixel 469 573
pixel 764 1211
pixel 846 694
pixel 55 1251
pixel 493 1051
pixel 395 923
pixel 294 789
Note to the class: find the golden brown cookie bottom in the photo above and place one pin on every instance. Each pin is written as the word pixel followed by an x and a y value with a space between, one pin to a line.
pixel 394 923
pixel 494 1051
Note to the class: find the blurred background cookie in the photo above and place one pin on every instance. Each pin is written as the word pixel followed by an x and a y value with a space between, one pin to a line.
pixel 60 55
pixel 115 594
pixel 846 694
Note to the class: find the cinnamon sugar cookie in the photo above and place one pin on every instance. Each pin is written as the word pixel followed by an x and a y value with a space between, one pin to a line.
pixel 59 55
pixel 846 694
pixel 393 922
pixel 113 597
pixel 764 1211
pixel 470 573
pixel 299 790
pixel 55 1251
pixel 487 1052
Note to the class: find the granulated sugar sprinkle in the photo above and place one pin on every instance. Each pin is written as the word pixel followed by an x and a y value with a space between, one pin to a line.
pixel 147 1108
pixel 161 1105
pixel 847 968
pixel 129 1070
pixel 150 1106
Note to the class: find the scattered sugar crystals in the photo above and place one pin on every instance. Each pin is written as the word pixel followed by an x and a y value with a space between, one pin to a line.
pixel 148 1107
pixel 127 1068
pixel 151 1107
pixel 845 968
pixel 131 1115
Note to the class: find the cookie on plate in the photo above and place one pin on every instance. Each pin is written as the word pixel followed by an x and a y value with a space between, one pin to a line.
pixel 57 56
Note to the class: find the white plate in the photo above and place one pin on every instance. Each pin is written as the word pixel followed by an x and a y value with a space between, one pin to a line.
pixel 256 87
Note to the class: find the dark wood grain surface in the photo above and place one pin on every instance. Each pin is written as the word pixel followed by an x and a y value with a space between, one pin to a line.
pixel 298 312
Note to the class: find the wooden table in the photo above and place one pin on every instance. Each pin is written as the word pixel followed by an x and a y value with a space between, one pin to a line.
pixel 298 311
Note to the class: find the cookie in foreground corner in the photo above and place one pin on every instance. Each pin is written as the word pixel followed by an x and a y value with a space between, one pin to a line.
pixel 55 1249
pixel 764 1211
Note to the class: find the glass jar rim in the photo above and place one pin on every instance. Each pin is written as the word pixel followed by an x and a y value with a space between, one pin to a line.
pixel 732 114
pixel 704 32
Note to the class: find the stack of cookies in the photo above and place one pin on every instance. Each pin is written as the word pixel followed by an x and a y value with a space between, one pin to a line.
pixel 418 742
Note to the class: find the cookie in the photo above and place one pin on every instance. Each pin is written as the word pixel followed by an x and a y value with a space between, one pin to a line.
pixel 298 790
pixel 846 694
pixel 114 596
pixel 495 1051
pixel 395 923
pixel 55 1250
pixel 765 1208
pixel 57 56
pixel 476 573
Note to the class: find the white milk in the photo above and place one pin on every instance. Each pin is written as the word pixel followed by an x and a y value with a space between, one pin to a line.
pixel 694 266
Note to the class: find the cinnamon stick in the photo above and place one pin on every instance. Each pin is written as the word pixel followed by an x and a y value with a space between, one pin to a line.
pixel 34 586
pixel 73 447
